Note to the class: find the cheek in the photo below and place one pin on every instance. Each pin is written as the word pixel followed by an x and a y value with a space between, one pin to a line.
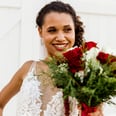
pixel 72 38
pixel 47 41
pixel 46 38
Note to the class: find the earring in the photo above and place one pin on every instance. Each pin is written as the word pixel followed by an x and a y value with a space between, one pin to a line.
pixel 41 41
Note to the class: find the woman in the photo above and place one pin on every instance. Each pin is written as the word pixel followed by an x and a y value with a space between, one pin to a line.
pixel 60 29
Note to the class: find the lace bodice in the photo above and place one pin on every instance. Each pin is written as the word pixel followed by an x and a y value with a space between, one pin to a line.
pixel 29 103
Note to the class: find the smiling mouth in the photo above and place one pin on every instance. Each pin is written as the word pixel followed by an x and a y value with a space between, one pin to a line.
pixel 60 47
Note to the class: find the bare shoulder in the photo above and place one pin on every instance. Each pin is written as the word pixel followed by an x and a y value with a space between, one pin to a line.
pixel 27 64
pixel 24 69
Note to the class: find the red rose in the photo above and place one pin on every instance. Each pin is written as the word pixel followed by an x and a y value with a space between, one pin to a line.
pixel 90 44
pixel 112 61
pixel 103 57
pixel 112 58
pixel 74 59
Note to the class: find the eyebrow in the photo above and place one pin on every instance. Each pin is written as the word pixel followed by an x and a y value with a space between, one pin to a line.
pixel 65 26
pixel 51 27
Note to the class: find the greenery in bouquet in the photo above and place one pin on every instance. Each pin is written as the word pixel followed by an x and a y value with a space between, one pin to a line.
pixel 86 73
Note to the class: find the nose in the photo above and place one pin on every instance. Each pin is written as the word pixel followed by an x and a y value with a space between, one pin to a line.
pixel 60 36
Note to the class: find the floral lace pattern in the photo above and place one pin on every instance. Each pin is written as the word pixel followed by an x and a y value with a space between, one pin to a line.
pixel 29 97
pixel 29 103
pixel 55 106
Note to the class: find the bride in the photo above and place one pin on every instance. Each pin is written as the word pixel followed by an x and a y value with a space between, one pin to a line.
pixel 60 29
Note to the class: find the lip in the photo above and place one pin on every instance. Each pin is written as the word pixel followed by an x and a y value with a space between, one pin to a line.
pixel 60 46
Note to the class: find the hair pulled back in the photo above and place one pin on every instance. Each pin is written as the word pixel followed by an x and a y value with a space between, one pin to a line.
pixel 60 7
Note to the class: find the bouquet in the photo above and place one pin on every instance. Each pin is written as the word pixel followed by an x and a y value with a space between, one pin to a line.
pixel 86 73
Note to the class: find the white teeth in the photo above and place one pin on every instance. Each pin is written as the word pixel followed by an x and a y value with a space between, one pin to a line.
pixel 60 46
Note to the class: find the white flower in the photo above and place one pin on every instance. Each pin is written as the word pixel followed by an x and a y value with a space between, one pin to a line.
pixel 92 53
pixel 90 58
pixel 80 74
pixel 63 67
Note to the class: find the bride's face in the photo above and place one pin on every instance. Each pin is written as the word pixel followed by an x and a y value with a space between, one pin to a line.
pixel 57 32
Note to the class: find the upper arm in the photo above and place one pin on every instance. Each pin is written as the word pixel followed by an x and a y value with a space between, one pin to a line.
pixel 14 85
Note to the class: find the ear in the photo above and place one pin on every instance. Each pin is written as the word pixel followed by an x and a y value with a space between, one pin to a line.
pixel 40 31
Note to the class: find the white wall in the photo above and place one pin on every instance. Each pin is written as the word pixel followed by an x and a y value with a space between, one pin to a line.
pixel 10 25
pixel 19 40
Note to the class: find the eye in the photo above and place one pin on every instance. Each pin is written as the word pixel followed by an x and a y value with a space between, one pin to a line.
pixel 52 30
pixel 66 30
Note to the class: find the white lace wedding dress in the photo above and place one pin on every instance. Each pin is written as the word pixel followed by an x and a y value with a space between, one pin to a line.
pixel 29 103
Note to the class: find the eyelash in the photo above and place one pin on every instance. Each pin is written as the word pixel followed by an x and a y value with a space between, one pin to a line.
pixel 65 30
pixel 52 30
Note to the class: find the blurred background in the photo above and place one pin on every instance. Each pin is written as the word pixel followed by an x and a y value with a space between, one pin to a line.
pixel 19 39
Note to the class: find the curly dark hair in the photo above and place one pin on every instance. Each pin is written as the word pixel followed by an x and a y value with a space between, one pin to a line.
pixel 58 6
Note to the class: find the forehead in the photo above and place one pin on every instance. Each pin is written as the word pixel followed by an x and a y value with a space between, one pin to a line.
pixel 55 18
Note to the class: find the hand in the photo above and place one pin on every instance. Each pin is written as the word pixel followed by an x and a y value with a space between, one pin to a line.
pixel 98 111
